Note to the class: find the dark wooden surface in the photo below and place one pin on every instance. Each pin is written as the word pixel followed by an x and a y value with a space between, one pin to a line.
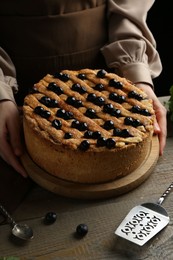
pixel 57 241
pixel 13 187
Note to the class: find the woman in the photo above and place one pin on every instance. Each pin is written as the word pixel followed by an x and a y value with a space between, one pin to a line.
pixel 46 36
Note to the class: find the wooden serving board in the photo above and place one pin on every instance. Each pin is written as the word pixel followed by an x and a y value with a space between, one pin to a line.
pixel 93 191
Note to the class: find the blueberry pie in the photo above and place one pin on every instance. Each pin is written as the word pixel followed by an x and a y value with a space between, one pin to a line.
pixel 87 126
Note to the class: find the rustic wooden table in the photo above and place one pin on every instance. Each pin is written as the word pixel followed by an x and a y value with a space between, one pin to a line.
pixel 58 240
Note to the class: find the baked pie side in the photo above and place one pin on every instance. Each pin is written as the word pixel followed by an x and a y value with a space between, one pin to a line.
pixel 87 126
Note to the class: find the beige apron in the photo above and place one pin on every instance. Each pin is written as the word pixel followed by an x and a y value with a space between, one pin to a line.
pixel 46 36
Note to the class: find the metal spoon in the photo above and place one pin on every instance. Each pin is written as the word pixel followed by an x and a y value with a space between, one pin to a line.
pixel 21 231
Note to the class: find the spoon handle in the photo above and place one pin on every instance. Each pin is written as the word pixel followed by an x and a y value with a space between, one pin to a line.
pixel 4 211
pixel 165 194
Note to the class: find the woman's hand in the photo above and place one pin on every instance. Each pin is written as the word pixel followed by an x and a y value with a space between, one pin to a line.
pixel 160 126
pixel 10 136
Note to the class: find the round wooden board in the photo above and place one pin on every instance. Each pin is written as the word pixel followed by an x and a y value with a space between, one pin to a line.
pixel 93 191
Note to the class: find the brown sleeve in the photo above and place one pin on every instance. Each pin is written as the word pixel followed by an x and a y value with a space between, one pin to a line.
pixel 131 48
pixel 8 82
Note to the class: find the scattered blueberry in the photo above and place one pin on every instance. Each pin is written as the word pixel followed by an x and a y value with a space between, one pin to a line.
pixel 50 218
pixel 81 230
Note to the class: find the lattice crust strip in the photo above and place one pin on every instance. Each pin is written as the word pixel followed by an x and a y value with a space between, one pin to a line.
pixel 89 107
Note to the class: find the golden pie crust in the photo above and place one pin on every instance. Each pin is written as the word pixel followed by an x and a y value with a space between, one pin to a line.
pixel 95 151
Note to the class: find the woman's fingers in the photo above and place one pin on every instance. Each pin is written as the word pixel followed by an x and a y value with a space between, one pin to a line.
pixel 10 140
pixel 9 156
pixel 160 125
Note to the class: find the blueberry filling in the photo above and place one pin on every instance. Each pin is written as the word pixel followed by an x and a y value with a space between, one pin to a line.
pixel 138 110
pixel 64 114
pixel 92 135
pixel 101 73
pixel 42 112
pixel 78 88
pixel 91 113
pixel 122 133
pixel 75 124
pixel 56 89
pixel 108 125
pixel 108 108
pixel 81 76
pixel 135 95
pixel 49 102
pixel 68 135
pixel 74 102
pixel 117 98
pixel 81 126
pixel 115 112
pixel 91 97
pixel 57 124
pixel 62 76
pixel 84 145
pixel 116 84
pixel 99 87
pixel 88 134
pixel 132 122
pixel 33 90
pixel 96 135
pixel 110 143
pixel 101 141
pixel 99 101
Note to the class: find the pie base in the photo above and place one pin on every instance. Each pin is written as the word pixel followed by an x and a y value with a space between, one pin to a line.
pixel 89 167
pixel 93 191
